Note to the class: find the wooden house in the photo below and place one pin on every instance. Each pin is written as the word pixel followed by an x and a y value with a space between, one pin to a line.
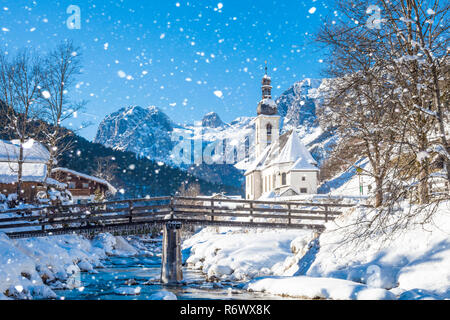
pixel 84 188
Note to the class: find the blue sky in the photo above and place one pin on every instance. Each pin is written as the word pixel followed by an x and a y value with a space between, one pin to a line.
pixel 174 54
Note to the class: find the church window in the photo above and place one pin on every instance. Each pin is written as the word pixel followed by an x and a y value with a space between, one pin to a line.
pixel 283 179
pixel 269 133
pixel 303 178
pixel 303 190
pixel 273 182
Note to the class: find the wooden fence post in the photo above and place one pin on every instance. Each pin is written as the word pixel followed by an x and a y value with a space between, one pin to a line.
pixel 326 213
pixel 289 214
pixel 212 209
pixel 171 206
pixel 251 211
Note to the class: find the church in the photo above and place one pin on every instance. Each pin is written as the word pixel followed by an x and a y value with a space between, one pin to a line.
pixel 282 165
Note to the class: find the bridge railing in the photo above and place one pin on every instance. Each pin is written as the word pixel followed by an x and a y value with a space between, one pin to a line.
pixel 83 215
pixel 133 213
pixel 289 213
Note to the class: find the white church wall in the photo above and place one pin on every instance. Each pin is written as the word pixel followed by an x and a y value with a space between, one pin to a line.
pixel 304 180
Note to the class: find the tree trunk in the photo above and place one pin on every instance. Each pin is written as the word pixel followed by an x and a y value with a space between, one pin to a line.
pixel 424 195
pixel 378 192
pixel 20 170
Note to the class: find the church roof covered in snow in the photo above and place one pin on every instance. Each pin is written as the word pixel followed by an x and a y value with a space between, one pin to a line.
pixel 296 152
pixel 290 149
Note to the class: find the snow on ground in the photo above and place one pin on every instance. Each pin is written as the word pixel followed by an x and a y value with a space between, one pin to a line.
pixel 239 254
pixel 319 288
pixel 33 268
pixel 413 265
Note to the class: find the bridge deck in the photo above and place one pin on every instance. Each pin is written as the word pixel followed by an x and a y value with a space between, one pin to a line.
pixel 139 216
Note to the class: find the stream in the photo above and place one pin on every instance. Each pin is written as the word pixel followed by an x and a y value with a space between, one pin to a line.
pixel 142 273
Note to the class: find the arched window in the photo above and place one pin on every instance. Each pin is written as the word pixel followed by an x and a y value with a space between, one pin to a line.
pixel 269 133
pixel 283 179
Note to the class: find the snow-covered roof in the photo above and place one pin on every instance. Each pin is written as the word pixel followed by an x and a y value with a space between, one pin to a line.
pixel 259 162
pixel 31 172
pixel 296 152
pixel 33 151
pixel 88 177
pixel 292 151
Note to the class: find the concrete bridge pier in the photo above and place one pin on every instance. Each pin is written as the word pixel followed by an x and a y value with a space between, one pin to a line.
pixel 171 272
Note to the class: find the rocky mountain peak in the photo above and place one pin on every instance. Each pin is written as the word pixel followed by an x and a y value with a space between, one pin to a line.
pixel 212 120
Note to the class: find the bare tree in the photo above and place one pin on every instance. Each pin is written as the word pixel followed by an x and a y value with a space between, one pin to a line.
pixel 391 95
pixel 403 58
pixel 106 168
pixel 20 83
pixel 61 66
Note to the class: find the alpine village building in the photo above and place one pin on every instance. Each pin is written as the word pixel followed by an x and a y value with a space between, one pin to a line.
pixel 83 188
pixel 282 165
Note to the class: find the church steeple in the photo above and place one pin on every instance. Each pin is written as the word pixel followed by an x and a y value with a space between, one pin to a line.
pixel 266 106
pixel 266 86
pixel 267 122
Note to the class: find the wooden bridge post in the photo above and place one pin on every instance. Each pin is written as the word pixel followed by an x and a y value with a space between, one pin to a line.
pixel 289 213
pixel 172 206
pixel 171 272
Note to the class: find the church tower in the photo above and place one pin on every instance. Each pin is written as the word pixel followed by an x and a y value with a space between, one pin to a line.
pixel 268 121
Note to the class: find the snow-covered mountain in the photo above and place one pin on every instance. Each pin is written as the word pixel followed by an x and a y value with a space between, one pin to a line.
pixel 212 120
pixel 144 131
pixel 298 107
pixel 148 132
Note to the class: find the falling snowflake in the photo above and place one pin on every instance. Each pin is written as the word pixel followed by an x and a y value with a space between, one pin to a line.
pixel 46 94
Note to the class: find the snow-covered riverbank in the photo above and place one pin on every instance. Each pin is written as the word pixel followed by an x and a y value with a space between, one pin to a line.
pixel 414 264
pixel 33 268
pixel 296 263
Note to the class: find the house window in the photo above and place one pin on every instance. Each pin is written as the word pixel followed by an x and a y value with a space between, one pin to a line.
pixel 72 185
pixel 283 179
pixel 303 190
pixel 85 185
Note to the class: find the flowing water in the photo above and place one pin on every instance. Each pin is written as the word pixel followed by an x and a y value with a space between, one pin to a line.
pixel 144 273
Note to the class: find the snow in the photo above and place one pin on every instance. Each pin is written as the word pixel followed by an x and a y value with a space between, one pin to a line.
pixel 237 254
pixel 33 268
pixel 295 151
pixel 88 177
pixel 322 288
pixel 218 94
pixel 163 295
pixel 412 265
pixel 128 291
pixel 33 151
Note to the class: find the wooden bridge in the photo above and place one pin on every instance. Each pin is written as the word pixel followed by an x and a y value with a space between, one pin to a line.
pixel 140 216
